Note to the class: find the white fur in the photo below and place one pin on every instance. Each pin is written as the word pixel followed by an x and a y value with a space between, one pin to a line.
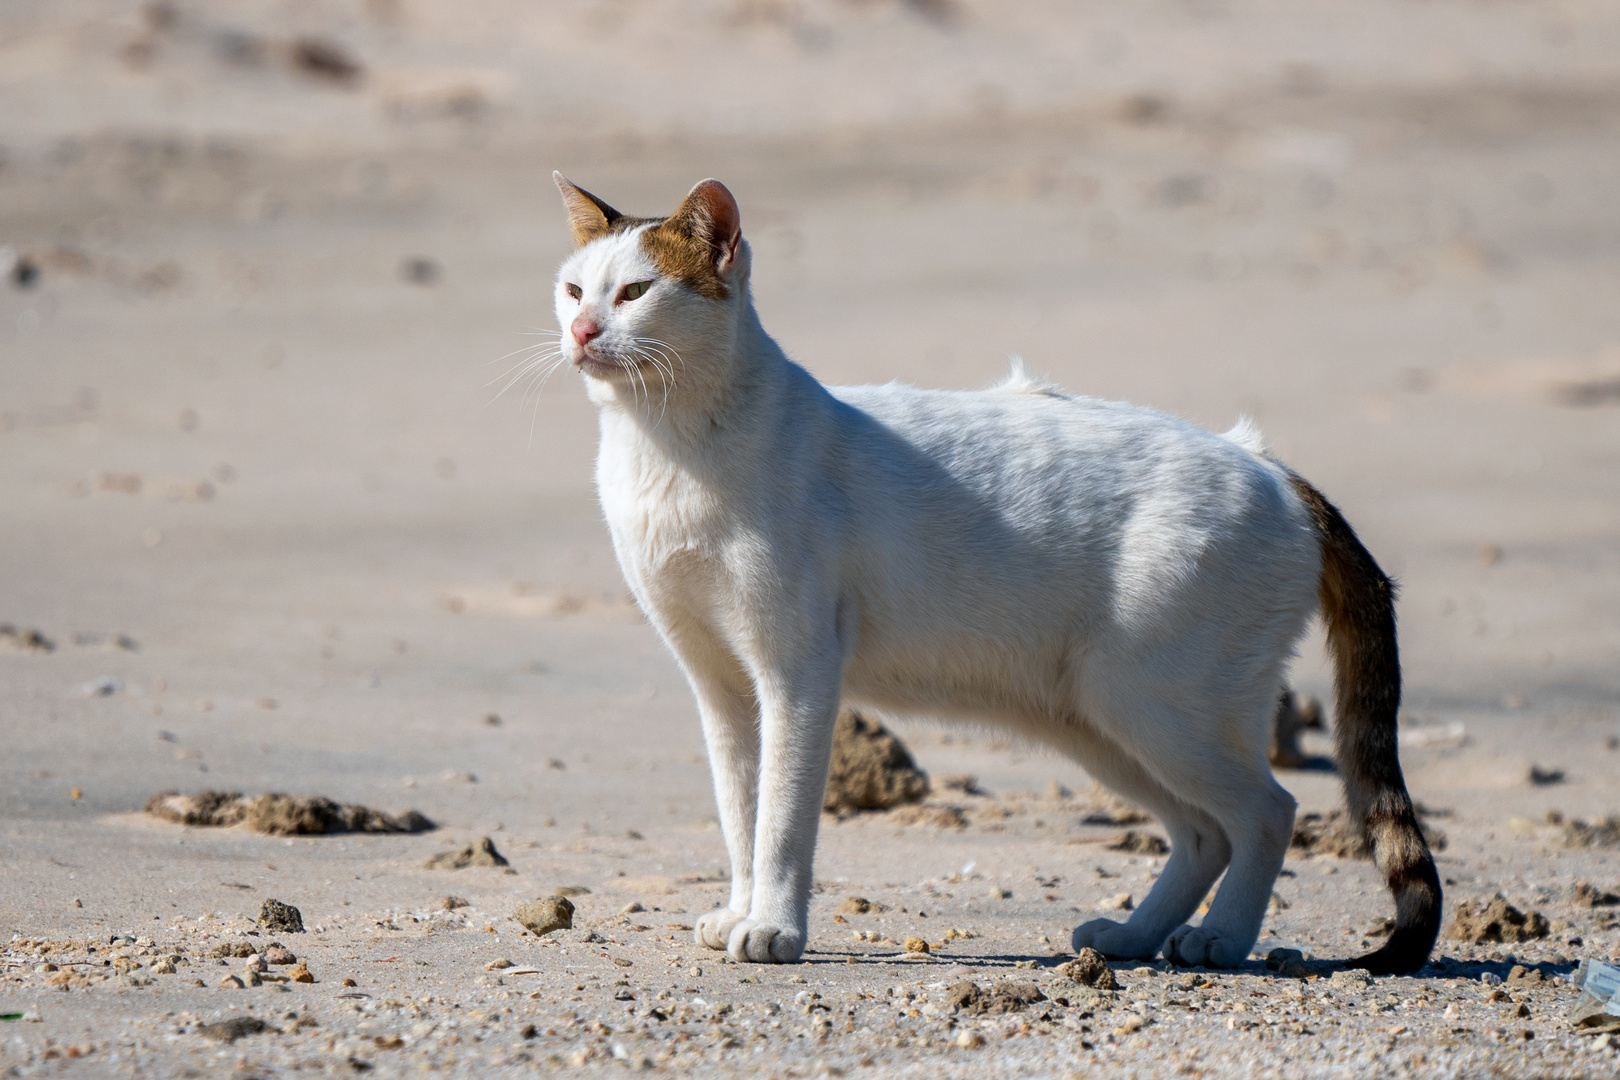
pixel 1113 582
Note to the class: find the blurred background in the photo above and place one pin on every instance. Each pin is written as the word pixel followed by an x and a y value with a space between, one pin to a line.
pixel 265 524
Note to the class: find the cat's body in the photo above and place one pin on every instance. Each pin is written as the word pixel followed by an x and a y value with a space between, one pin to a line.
pixel 1109 581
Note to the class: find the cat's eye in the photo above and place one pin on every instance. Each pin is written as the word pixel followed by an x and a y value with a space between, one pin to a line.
pixel 634 291
pixel 574 290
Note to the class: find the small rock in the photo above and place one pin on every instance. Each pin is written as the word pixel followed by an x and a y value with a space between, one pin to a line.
pixel 350 982
pixel 257 963
pixel 1590 896
pixel 570 890
pixel 299 973
pixel 452 903
pixel 544 916
pixel 631 908
pixel 231 982
pixel 916 945
pixel 164 966
pixel 481 853
pixel 231 950
pixel 1520 975
pixel 968 1040
pixel 251 978
pixel 228 1031
pixel 1289 963
pixel 860 905
pixel 1090 968
pixel 1349 980
pixel 278 954
pixel 1540 777
pixel 498 964
pixel 1605 833
pixel 281 918
pixel 1130 1025
pixel 1117 902
pixel 962 995
pixel 1496 921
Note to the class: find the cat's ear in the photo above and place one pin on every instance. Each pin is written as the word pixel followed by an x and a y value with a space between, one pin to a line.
pixel 589 216
pixel 709 215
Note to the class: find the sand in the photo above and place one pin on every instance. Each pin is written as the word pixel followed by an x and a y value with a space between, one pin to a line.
pixel 267 528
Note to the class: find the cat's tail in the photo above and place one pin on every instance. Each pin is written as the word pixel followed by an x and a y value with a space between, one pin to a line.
pixel 1358 604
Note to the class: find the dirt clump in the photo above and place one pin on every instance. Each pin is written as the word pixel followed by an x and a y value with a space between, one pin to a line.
pixel 1496 921
pixel 1139 843
pixel 228 1031
pixel 860 905
pixel 1089 968
pixel 1009 997
pixel 1587 895
pixel 1294 714
pixel 232 950
pixel 24 639
pixel 480 853
pixel 545 915
pixel 1605 833
pixel 939 815
pixel 276 814
pixel 451 903
pixel 281 918
pixel 870 768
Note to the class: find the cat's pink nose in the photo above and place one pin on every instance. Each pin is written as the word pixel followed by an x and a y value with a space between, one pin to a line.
pixel 584 329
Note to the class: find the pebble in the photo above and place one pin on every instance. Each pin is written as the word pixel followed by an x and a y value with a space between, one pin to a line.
pixel 1118 902
pixel 231 982
pixel 916 945
pixel 546 915
pixel 281 918
pixel 498 964
pixel 278 954
pixel 968 1040
pixel 1090 968
pixel 300 974
pixel 1289 963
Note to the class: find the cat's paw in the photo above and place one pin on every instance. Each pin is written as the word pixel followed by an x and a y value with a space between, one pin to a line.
pixel 714 929
pixel 1201 946
pixel 761 943
pixel 1117 941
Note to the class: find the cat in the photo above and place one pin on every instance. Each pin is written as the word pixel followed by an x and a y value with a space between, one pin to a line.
pixel 1103 579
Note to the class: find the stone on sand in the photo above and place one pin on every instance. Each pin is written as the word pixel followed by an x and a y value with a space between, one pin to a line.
pixel 281 918
pixel 545 915
pixel 1090 968
pixel 479 853
pixel 277 814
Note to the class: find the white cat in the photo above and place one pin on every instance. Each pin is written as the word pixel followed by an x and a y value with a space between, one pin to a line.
pixel 1107 580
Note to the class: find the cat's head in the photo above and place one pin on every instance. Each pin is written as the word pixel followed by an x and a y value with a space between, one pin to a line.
pixel 641 300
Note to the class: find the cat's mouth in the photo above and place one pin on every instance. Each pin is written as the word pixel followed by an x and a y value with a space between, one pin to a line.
pixel 603 366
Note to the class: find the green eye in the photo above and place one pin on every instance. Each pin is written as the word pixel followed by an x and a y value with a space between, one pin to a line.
pixel 574 290
pixel 635 290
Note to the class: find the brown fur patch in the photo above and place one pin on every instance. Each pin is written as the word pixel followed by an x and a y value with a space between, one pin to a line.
pixel 684 258
pixel 1358 604
pixel 693 244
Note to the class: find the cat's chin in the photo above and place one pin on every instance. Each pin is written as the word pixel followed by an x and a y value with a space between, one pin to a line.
pixel 607 370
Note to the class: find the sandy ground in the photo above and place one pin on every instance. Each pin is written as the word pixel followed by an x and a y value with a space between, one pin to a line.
pixel 239 430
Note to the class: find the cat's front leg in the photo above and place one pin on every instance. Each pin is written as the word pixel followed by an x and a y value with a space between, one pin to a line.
pixel 731 735
pixel 797 714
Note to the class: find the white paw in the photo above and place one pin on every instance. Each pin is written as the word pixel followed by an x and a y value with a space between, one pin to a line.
pixel 714 929
pixel 761 943
pixel 1201 946
pixel 1117 941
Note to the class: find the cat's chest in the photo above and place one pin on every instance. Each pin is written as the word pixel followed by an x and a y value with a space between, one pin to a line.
pixel 668 527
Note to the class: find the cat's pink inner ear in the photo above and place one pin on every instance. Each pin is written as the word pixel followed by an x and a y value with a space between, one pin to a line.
pixel 589 216
pixel 709 213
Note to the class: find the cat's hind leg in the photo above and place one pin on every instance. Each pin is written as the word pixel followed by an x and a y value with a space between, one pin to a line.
pixel 1198 853
pixel 1259 817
